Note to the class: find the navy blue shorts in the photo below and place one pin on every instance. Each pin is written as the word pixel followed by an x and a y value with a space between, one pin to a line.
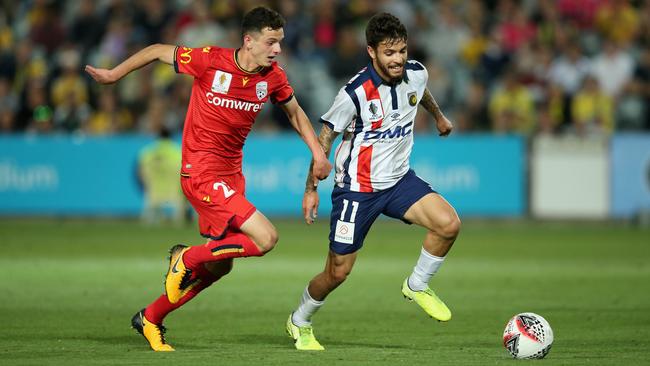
pixel 354 212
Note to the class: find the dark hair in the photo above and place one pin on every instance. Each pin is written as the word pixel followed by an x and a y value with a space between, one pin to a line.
pixel 385 27
pixel 259 18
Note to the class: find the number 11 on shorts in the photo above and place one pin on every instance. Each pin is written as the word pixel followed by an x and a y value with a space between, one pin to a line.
pixel 353 215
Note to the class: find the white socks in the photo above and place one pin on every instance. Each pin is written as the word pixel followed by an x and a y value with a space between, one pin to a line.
pixel 307 308
pixel 426 267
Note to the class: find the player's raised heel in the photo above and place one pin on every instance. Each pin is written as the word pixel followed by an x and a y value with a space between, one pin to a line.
pixel 303 336
pixel 178 280
pixel 428 301
pixel 153 333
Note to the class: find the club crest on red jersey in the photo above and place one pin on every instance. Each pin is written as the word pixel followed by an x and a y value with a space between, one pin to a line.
pixel 261 89
pixel 221 82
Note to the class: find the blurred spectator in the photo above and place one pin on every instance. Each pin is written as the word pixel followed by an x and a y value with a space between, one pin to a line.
pixel 158 166
pixel 296 27
pixel 592 110
pixel 158 117
pixel 473 112
pixel 511 106
pixel 633 110
pixel 46 27
pixel 348 57
pixel 110 117
pixel 612 68
pixel 569 69
pixel 150 18
pixel 579 12
pixel 552 44
pixel 87 28
pixel 8 107
pixel 324 28
pixel 552 111
pixel 618 21
pixel 33 98
pixel 70 94
pixel 201 30
pixel 516 31
pixel 41 122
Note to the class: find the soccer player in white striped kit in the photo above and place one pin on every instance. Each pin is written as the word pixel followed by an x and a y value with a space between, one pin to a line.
pixel 375 111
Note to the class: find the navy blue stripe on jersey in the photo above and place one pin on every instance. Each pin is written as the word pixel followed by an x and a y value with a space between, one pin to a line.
pixel 376 79
pixel 414 65
pixel 352 86
pixel 358 128
pixel 328 123
pixel 393 97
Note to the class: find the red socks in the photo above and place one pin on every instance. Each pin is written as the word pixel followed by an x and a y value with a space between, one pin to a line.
pixel 232 246
pixel 158 310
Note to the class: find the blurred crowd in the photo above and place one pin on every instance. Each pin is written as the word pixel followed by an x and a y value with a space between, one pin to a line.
pixel 507 66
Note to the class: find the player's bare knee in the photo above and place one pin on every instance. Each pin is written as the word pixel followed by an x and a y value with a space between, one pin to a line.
pixel 338 275
pixel 450 228
pixel 268 240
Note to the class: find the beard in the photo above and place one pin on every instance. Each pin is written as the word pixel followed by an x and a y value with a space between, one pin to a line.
pixel 386 71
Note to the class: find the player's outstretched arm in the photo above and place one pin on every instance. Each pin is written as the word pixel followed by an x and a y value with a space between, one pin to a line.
pixel 160 52
pixel 443 125
pixel 321 166
pixel 310 199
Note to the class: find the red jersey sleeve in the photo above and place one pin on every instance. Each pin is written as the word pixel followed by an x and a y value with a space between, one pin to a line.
pixel 284 92
pixel 192 61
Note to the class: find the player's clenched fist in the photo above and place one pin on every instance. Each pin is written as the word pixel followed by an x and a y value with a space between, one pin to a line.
pixel 322 168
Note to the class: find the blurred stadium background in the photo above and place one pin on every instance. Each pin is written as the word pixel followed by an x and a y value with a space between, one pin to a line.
pixel 549 168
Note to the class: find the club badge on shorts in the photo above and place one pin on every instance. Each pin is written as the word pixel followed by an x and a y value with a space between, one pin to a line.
pixel 261 89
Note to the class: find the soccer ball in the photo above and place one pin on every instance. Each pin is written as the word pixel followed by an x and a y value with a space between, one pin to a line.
pixel 528 335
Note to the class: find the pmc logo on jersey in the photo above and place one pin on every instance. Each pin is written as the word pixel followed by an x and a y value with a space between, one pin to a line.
pixel 261 89
pixel 396 132
pixel 221 82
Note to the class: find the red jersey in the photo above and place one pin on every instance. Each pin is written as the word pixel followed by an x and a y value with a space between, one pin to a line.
pixel 224 103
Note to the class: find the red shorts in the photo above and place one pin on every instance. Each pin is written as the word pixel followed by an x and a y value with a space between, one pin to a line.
pixel 219 202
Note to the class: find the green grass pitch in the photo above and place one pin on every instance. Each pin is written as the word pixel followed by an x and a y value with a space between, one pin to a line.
pixel 70 287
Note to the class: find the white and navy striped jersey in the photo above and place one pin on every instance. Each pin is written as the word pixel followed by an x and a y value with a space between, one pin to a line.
pixel 377 120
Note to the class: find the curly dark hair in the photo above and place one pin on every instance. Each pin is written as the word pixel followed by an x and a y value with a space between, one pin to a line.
pixel 259 18
pixel 385 27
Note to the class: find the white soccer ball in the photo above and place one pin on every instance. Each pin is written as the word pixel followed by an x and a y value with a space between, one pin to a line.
pixel 528 335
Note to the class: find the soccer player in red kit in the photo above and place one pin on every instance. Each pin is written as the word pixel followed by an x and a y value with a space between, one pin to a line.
pixel 230 88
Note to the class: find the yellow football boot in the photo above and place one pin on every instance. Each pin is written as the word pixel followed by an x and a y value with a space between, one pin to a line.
pixel 178 280
pixel 428 301
pixel 153 333
pixel 304 337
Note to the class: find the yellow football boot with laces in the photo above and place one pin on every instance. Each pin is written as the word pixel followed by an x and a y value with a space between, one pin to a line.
pixel 304 337
pixel 428 300
pixel 178 280
pixel 153 333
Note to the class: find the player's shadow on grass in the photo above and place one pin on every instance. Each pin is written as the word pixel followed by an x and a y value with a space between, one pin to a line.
pixel 327 342
pixel 283 340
